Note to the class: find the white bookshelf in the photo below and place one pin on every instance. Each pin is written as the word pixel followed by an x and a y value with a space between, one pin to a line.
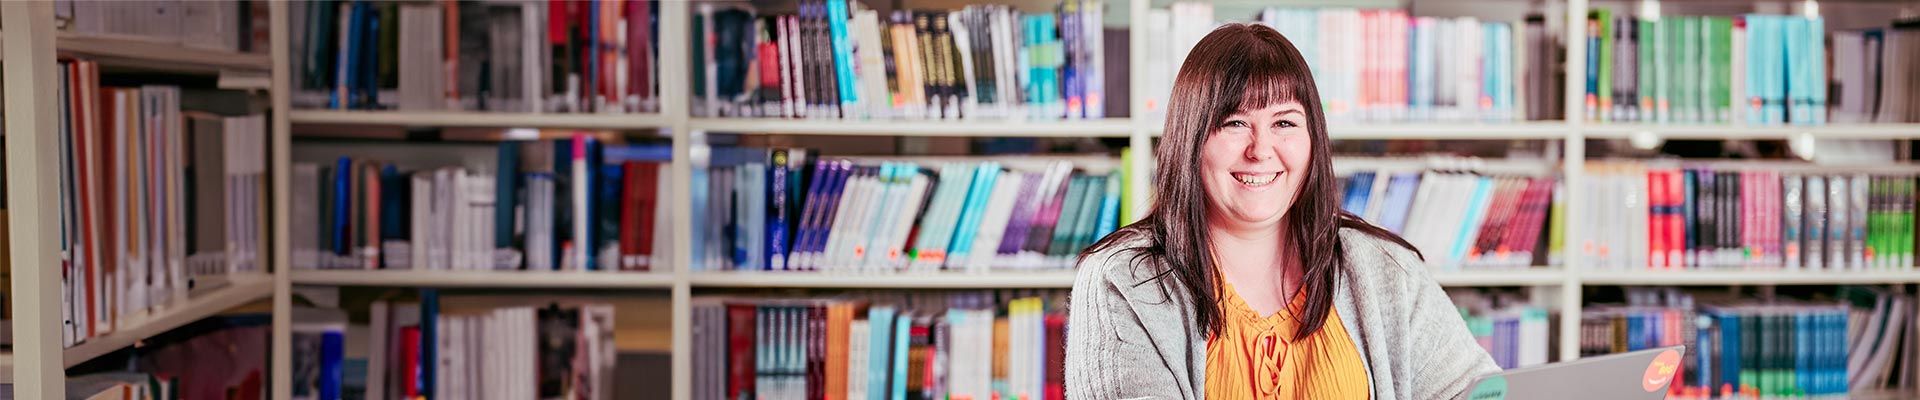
pixel 31 44
pixel 1110 127
pixel 487 279
pixel 138 53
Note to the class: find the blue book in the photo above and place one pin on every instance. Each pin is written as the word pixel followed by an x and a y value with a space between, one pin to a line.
pixel 592 51
pixel 593 213
pixel 842 52
pixel 636 152
pixel 342 202
pixel 697 195
pixel 332 350
pixel 880 322
pixel 505 195
pixel 608 185
pixel 366 82
pixel 901 328
pixel 1636 331
pixel 1702 354
pixel 563 212
pixel 777 209
pixel 975 208
pixel 810 210
pixel 429 336
pixel 1482 186
pixel 1109 209
pixel 393 204
pixel 1399 194
pixel 840 173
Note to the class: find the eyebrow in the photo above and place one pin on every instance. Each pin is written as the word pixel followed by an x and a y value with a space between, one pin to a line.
pixel 1291 111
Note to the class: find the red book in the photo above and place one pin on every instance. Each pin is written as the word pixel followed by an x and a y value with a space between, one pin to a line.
pixel 1676 218
pixel 649 202
pixel 451 49
pixel 740 367
pixel 109 183
pixel 1056 342
pixel 630 215
pixel 1656 219
pixel 371 249
pixel 816 351
pixel 410 362
pixel 82 196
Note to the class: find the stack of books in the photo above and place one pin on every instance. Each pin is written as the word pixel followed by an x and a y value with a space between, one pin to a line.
pixel 154 199
pixel 417 349
pixel 840 59
pixel 1750 69
pixel 513 56
pixel 1679 215
pixel 1457 215
pixel 1380 65
pixel 919 345
pixel 236 26
pixel 784 209
pixel 567 204
pixel 1514 332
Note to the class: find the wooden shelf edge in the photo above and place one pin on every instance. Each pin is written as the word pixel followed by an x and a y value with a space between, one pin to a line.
pixel 241 290
pixel 477 119
pixel 139 53
pixel 1109 127
pixel 485 279
pixel 1745 277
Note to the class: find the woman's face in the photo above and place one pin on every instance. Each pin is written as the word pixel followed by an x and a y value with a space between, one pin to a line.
pixel 1253 164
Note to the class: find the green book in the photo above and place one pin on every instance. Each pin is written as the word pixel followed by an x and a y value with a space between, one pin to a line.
pixel 1663 65
pixel 1722 100
pixel 1603 85
pixel 1688 107
pixel 1647 41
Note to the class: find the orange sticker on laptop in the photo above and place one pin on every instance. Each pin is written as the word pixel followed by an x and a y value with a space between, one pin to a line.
pixel 1661 371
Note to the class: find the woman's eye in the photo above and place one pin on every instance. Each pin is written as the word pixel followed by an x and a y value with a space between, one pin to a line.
pixel 1235 124
pixel 1286 124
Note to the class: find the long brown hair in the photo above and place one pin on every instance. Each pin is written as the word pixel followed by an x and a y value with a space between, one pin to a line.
pixel 1240 66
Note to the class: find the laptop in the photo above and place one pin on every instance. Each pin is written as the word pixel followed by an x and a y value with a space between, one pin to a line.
pixel 1643 374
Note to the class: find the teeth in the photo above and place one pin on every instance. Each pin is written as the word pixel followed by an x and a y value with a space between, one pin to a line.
pixel 1256 180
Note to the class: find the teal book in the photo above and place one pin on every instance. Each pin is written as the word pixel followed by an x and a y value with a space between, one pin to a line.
pixel 901 327
pixel 842 53
pixel 1476 205
pixel 880 321
pixel 1109 217
pixel 975 208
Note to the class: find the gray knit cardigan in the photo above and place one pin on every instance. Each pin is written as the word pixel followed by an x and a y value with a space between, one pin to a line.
pixel 1131 335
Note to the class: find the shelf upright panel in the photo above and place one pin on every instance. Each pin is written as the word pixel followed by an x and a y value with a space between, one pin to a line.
pixel 1575 156
pixel 281 385
pixel 676 95
pixel 32 171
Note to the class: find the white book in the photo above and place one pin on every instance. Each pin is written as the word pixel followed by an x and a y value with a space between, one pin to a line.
pixel 845 231
pixel 963 46
pixel 422 206
pixel 859 336
pixel 378 326
pixel 1377 195
pixel 663 244
pixel 912 197
pixel 993 225
pixel 868 221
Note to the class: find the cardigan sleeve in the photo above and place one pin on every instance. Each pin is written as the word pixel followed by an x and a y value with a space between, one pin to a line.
pixel 1110 354
pixel 1445 357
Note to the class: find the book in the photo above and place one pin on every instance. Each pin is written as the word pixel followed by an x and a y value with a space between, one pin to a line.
pixel 1741 347
pixel 884 216
pixel 1497 221
pixel 599 211
pixel 787 347
pixel 510 56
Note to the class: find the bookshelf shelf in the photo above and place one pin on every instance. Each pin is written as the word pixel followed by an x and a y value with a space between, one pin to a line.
pixel 1536 276
pixel 486 279
pixel 1110 127
pixel 1517 130
pixel 1755 132
pixel 922 280
pixel 241 289
pixel 1745 277
pixel 478 119
pixel 135 53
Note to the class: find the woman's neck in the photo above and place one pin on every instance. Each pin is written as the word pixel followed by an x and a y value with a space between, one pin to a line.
pixel 1258 262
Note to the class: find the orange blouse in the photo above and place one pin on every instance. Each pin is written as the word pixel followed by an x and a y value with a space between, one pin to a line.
pixel 1256 357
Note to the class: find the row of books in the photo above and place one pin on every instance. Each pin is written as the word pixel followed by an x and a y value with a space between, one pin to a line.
pixel 1744 348
pixel 786 209
pixel 121 386
pixel 840 59
pixel 1373 65
pixel 534 56
pixel 568 204
pixel 1866 65
pixel 919 346
pixel 1459 217
pixel 1672 215
pixel 237 26
pixel 153 199
pixel 1753 69
pixel 1514 332
pixel 415 349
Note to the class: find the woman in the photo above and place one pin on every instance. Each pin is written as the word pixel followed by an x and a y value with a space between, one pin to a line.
pixel 1245 280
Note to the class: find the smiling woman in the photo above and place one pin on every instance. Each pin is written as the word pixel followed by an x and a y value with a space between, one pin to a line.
pixel 1245 280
